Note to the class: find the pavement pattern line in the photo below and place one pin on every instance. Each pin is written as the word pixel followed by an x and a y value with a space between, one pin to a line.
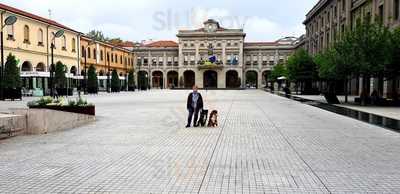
pixel 216 143
pixel 293 148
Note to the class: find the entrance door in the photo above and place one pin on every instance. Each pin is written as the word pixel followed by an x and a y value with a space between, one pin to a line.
pixel 210 79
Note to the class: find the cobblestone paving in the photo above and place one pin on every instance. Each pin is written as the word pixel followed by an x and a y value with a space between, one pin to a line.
pixel 264 144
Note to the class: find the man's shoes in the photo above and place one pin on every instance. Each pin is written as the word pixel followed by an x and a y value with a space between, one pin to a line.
pixel 196 125
pixel 187 126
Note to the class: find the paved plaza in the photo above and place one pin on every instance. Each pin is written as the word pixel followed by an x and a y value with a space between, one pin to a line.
pixel 265 144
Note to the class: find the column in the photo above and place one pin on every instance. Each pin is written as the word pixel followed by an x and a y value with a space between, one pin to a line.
pixel 241 57
pixel 223 52
pixel 197 53
pixel 150 79
pixel 165 60
pixel 180 55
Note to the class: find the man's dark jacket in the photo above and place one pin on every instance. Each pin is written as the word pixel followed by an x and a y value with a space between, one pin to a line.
pixel 199 102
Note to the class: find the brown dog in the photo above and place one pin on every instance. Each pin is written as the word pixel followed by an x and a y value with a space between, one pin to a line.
pixel 213 121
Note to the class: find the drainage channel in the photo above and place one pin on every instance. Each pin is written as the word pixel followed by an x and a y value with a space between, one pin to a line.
pixel 381 121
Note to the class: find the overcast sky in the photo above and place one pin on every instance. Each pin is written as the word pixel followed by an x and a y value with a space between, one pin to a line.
pixel 135 20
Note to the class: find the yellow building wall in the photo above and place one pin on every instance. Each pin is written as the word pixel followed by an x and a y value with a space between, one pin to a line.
pixel 33 52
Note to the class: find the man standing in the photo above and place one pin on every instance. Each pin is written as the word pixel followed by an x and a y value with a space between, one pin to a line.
pixel 194 105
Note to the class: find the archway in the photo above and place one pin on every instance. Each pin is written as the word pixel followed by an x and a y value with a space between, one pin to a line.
pixel 143 80
pixel 251 79
pixel 210 79
pixel 73 70
pixel 26 66
pixel 157 79
pixel 232 79
pixel 189 79
pixel 101 73
pixel 172 79
pixel 40 67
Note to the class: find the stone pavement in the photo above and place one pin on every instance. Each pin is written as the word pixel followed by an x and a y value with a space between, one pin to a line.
pixel 265 144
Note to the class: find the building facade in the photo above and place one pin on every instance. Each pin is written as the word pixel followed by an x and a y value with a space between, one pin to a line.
pixel 210 57
pixel 29 39
pixel 328 20
pixel 105 57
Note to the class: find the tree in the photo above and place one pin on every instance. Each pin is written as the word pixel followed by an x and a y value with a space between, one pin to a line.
pixel 60 79
pixel 131 81
pixel 116 41
pixel 328 68
pixel 277 72
pixel 301 68
pixel 115 82
pixel 97 35
pixel 92 83
pixel 11 78
pixel 370 49
pixel 392 70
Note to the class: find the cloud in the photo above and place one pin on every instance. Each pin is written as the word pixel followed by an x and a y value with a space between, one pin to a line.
pixel 258 28
pixel 161 19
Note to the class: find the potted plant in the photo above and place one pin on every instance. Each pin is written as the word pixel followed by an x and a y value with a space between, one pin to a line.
pixel 80 105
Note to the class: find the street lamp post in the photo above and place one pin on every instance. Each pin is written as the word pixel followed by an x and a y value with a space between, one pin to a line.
pixel 58 34
pixel 109 69
pixel 108 73
pixel 10 20
pixel 85 77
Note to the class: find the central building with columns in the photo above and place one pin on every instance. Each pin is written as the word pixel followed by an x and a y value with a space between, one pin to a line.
pixel 210 57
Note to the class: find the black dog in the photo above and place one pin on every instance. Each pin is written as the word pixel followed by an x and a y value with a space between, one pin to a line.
pixel 203 118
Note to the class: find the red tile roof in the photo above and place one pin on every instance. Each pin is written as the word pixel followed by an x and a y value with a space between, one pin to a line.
pixel 163 43
pixel 33 16
pixel 126 44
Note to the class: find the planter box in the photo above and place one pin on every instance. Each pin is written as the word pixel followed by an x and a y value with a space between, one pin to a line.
pixel 43 121
pixel 86 110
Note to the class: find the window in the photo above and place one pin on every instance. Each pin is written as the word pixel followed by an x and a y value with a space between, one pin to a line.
pixel 169 61
pixel 112 58
pixel 185 60
pixel 121 60
pixel 73 45
pixel 10 32
pixel 343 5
pixel 101 54
pixel 64 43
pixel 154 61
pixel 271 63
pixel 380 13
pixel 145 61
pixel 139 61
pixel 192 60
pixel 160 61
pixel 40 37
pixel 228 59
pixel 94 53
pixel 88 52
pixel 26 34
pixel 83 51
pixel 396 9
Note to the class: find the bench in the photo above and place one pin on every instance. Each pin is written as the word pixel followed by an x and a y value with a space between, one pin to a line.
pixel 4 131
